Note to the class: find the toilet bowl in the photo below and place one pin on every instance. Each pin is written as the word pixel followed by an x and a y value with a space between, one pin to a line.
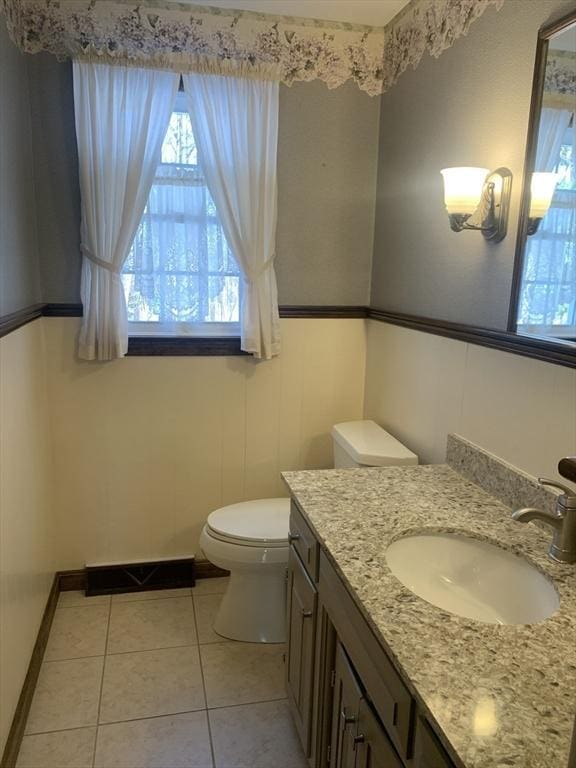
pixel 250 539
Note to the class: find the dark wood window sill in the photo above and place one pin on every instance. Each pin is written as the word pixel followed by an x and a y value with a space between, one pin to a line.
pixel 184 346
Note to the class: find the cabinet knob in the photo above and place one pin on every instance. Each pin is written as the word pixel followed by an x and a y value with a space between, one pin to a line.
pixel 307 614
pixel 347 719
pixel 293 537
pixel 360 739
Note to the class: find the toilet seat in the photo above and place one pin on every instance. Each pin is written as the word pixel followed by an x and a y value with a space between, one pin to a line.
pixel 260 523
pixel 245 542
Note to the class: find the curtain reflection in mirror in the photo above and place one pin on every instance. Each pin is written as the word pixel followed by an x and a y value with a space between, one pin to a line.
pixel 547 303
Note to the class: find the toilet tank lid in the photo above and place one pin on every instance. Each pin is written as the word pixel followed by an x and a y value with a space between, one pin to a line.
pixel 367 443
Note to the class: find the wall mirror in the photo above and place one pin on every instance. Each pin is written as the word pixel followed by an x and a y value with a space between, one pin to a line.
pixel 544 289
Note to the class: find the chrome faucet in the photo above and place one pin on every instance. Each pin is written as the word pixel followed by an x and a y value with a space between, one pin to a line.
pixel 563 521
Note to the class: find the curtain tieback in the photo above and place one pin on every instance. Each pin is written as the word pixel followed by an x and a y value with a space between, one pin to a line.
pixel 255 274
pixel 99 262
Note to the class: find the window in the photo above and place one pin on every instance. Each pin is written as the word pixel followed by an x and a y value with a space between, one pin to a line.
pixel 548 292
pixel 180 276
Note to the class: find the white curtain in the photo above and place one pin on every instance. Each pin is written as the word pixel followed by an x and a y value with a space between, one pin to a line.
pixel 548 296
pixel 122 114
pixel 553 126
pixel 235 124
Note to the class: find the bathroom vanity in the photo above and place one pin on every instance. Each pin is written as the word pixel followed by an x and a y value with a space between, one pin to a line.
pixel 348 701
pixel 376 676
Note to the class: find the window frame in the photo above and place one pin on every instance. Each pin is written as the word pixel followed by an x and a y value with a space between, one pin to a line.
pixel 207 329
pixel 215 330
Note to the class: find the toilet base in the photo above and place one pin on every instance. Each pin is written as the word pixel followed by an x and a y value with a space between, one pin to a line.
pixel 253 609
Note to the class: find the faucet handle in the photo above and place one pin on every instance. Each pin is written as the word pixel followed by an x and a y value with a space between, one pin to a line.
pixel 569 496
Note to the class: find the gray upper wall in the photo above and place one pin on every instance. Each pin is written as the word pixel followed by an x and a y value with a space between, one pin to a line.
pixel 19 276
pixel 469 107
pixel 327 152
pixel 327 165
pixel 56 174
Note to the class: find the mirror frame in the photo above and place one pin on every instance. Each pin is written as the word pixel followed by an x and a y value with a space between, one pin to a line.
pixel 544 35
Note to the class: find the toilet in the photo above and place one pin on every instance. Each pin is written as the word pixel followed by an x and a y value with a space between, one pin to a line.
pixel 250 539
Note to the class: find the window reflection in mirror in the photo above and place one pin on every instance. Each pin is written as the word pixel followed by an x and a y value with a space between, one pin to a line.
pixel 547 291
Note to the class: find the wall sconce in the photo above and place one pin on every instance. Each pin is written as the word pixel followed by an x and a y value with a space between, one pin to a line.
pixel 542 189
pixel 479 200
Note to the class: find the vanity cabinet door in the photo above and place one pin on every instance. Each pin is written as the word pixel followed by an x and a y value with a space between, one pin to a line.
pixel 374 748
pixel 326 641
pixel 301 623
pixel 428 753
pixel 345 712
pixel 389 696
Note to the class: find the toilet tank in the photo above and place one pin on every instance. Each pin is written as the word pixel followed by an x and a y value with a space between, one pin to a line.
pixel 365 444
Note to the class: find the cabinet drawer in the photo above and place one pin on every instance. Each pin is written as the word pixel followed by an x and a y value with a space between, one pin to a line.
pixel 388 694
pixel 428 753
pixel 304 541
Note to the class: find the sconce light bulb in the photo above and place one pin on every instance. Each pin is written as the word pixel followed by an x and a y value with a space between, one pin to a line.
pixel 542 188
pixel 463 188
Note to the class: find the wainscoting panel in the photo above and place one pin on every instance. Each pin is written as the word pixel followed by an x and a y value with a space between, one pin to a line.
pixel 146 447
pixel 422 386
pixel 27 529
pixel 16 732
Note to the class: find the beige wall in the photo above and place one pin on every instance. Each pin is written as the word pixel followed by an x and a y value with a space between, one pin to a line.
pixel 27 532
pixel 146 447
pixel 421 387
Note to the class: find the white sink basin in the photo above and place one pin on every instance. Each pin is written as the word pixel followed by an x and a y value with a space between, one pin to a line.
pixel 472 578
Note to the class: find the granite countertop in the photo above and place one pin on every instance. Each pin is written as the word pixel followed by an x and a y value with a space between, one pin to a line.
pixel 502 695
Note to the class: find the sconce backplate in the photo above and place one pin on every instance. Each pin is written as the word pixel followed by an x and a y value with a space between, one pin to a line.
pixel 495 206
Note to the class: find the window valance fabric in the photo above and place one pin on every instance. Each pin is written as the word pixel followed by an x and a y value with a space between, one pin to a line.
pixel 158 33
pixel 560 80
pixel 200 64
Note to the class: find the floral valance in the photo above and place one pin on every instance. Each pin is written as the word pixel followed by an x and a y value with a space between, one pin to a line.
pixel 165 34
pixel 560 80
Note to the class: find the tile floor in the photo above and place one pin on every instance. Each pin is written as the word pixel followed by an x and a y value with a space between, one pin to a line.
pixel 143 681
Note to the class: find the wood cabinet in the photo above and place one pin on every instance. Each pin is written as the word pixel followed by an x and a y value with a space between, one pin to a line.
pixel 389 695
pixel 345 711
pixel 428 753
pixel 304 542
pixel 351 707
pixel 301 624
pixel 374 748
pixel 358 739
